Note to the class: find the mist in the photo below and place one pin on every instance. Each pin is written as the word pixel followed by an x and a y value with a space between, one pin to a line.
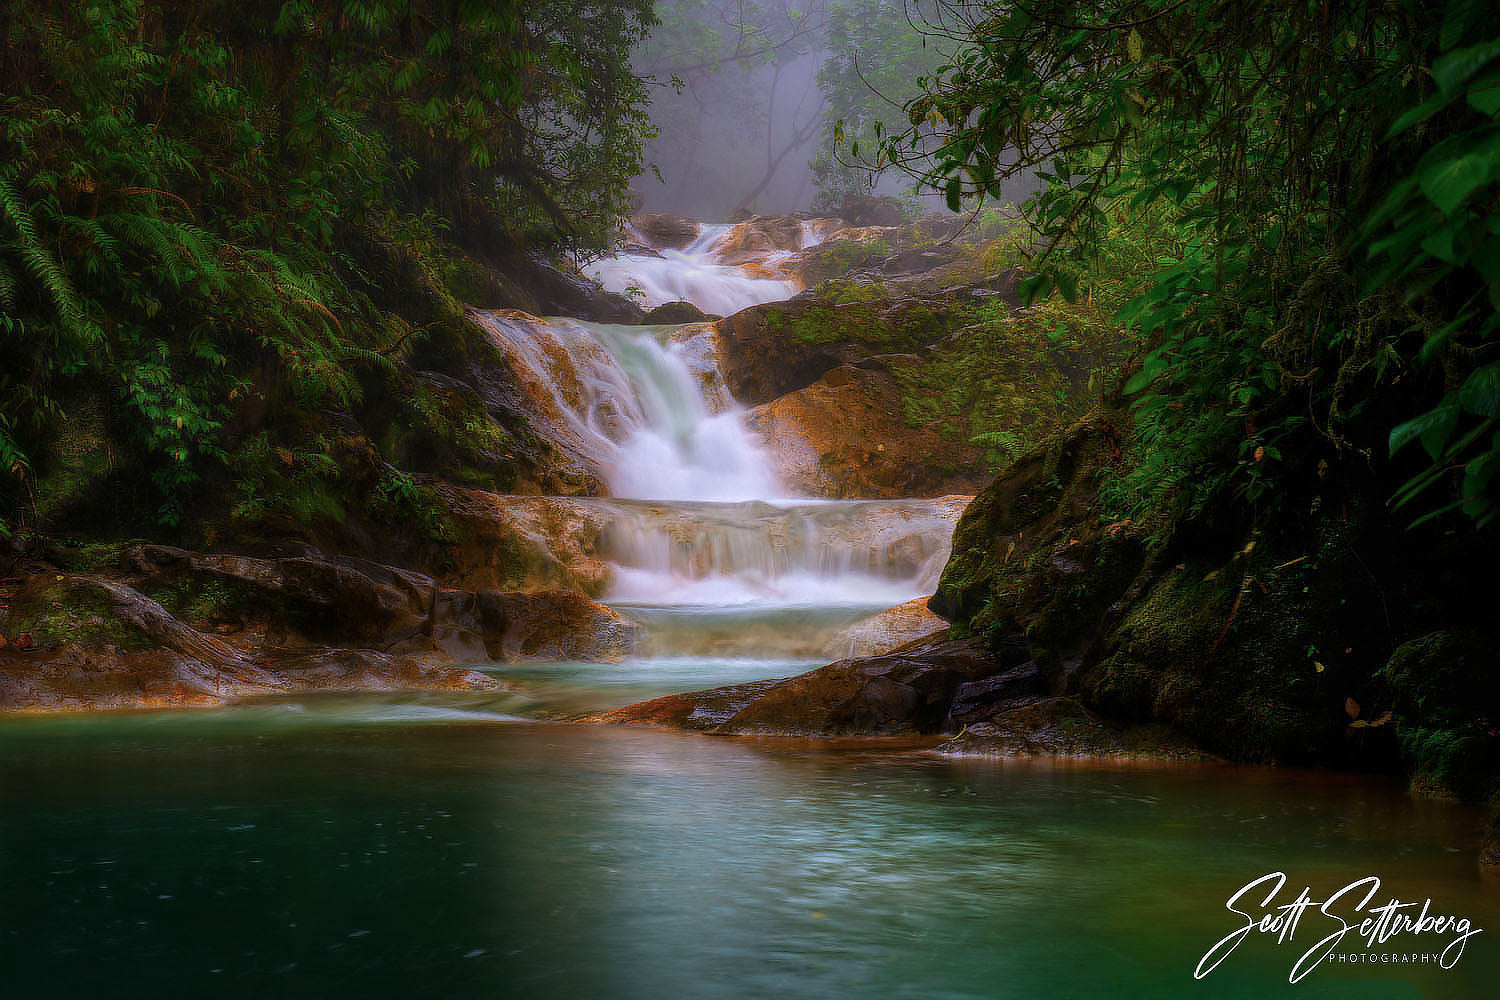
pixel 744 98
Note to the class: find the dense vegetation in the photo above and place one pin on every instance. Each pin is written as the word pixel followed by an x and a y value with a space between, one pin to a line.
pixel 1294 203
pixel 223 224
pixel 1287 514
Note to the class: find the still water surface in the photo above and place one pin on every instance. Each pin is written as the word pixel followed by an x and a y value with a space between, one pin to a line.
pixel 400 847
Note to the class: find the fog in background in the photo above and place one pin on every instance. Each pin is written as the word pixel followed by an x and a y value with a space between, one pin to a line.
pixel 742 139
pixel 739 108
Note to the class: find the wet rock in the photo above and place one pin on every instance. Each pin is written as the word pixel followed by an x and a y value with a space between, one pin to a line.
pixel 676 313
pixel 887 631
pixel 526 543
pixel 348 597
pixel 872 210
pixel 106 644
pixel 754 239
pixel 75 677
pixel 560 289
pixel 1062 727
pixel 906 691
pixel 557 625
pixel 844 252
pixel 774 349
pixel 666 231
pixel 980 699
pixel 847 435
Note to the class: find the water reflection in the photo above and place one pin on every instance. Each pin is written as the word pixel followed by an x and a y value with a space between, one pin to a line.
pixel 338 853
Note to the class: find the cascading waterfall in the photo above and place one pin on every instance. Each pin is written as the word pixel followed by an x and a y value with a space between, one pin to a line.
pixel 707 550
pixel 628 404
pixel 698 273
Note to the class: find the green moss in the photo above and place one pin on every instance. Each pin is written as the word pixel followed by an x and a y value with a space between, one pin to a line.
pixel 200 600
pixel 64 610
pixel 1446 690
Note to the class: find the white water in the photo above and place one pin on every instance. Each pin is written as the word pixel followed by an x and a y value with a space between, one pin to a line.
pixel 698 274
pixel 627 403
pixel 707 550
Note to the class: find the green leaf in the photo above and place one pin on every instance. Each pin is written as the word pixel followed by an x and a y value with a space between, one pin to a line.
pixel 1455 68
pixel 1484 93
pixel 1453 169
pixel 1437 340
pixel 1434 428
pixel 1481 391
pixel 1420 113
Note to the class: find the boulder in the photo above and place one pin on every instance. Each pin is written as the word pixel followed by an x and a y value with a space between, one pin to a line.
pixel 665 231
pixel 906 691
pixel 557 625
pixel 872 210
pixel 887 631
pixel 846 435
pixel 347 597
pixel 757 237
pixel 526 543
pixel 1062 727
pixel 78 677
pixel 977 700
pixel 777 348
pixel 676 314
pixel 561 289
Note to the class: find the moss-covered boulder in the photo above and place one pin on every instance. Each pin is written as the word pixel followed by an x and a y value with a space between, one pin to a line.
pixel 1308 644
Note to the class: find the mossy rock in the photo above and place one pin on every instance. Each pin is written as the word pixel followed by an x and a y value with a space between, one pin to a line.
pixel 1445 689
pixel 676 314
pixel 56 609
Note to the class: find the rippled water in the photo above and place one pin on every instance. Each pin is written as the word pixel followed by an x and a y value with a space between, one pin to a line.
pixel 376 847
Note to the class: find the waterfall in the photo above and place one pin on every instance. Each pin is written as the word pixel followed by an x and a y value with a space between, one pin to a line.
pixel 706 549
pixel 627 403
pixel 699 274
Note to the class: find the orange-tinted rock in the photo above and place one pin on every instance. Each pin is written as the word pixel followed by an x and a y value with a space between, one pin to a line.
pixel 846 436
pixel 106 644
pixel 526 543
pixel 887 631
pixel 556 625
pixel 906 691
pixel 80 678
pixel 757 237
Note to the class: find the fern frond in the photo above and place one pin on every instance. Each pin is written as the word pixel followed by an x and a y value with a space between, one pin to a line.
pixel 42 266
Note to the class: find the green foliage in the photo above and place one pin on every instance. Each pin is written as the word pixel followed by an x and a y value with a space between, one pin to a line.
pixel 217 216
pixel 878 53
pixel 1439 228
pixel 1294 205
pixel 398 498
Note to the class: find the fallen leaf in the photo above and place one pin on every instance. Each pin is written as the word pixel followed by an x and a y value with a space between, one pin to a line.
pixel 1352 707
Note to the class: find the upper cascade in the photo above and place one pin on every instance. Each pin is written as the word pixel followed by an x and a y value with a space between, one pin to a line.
pixel 725 268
